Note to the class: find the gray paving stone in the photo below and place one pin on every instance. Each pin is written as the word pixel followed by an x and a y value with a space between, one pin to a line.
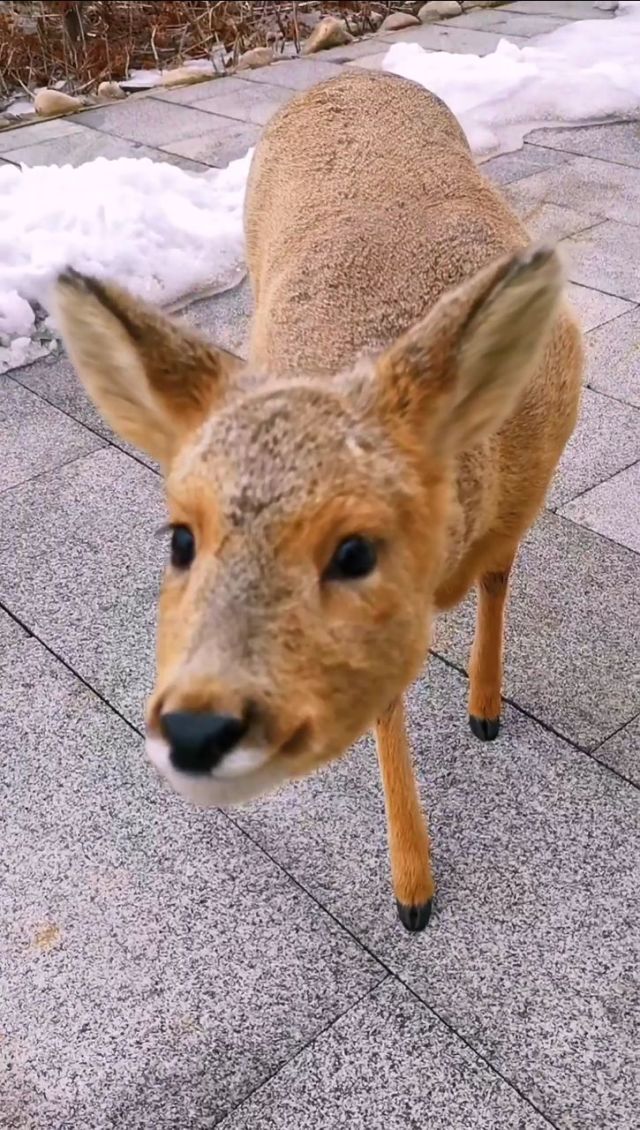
pixel 10 631
pixel 36 437
pixel 224 318
pixel 622 751
pixel 156 966
pixel 595 308
pixel 619 143
pixel 198 92
pixel 86 145
pixel 607 256
pixel 225 141
pixel 387 1063
pixel 149 121
pixel 508 23
pixel 448 37
pixel 514 166
pixel 80 564
pixel 613 358
pixel 371 62
pixel 571 654
pixel 560 9
pixel 612 508
pixel 533 951
pixel 596 188
pixel 37 131
pixel 350 52
pixel 54 380
pixel 254 103
pixel 606 440
pixel 547 221
pixel 296 74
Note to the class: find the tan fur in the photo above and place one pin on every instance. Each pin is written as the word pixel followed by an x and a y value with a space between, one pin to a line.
pixel 413 377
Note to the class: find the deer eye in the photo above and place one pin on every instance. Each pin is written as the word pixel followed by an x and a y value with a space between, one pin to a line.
pixel 183 547
pixel 355 557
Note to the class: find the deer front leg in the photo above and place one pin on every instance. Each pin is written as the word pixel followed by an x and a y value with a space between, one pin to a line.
pixel 485 666
pixel 407 831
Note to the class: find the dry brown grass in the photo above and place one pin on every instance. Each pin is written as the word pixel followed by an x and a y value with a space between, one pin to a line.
pixel 47 41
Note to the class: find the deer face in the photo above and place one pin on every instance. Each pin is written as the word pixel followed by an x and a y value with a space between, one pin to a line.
pixel 307 520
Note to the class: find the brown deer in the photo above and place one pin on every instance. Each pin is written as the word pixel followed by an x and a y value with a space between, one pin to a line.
pixel 412 379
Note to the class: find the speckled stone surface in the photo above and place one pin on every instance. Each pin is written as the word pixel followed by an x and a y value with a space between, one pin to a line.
pixel 514 166
pixel 572 658
pixel 613 358
pixel 622 751
pixel 597 188
pixel 612 508
pixel 10 630
pixel 605 442
pixel 533 952
pixel 36 437
pixel 612 142
pixel 80 566
pixel 295 74
pixel 388 1064
pixel 607 255
pixel 447 36
pixel 148 120
pixel 81 145
pixel 54 380
pixel 254 103
pixel 155 966
pixel 595 308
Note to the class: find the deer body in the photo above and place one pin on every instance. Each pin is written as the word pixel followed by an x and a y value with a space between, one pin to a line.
pixel 413 377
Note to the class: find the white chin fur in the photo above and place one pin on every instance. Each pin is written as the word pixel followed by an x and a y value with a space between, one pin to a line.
pixel 243 774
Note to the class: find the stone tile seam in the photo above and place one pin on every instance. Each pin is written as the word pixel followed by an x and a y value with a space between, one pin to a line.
pixel 594 486
pixel 546 725
pixel 302 1049
pixel 630 722
pixel 53 470
pixel 105 441
pixel 387 972
pixel 396 977
pixel 596 533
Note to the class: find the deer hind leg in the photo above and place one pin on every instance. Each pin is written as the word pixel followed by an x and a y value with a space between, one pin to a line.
pixel 485 667
pixel 407 830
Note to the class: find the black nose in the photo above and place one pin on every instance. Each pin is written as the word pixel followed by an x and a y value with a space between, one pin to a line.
pixel 200 741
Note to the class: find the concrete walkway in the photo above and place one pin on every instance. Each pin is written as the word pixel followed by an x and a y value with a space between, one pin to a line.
pixel 167 969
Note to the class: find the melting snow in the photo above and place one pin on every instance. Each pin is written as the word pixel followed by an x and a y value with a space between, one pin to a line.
pixel 163 232
pixel 587 70
pixel 168 234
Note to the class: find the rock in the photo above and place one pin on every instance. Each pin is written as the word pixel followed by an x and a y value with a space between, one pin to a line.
pixel 48 102
pixel 330 32
pixel 439 10
pixel 110 90
pixel 395 21
pixel 183 76
pixel 256 57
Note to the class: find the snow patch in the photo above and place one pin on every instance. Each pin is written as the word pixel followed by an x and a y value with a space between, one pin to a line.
pixel 165 233
pixel 587 70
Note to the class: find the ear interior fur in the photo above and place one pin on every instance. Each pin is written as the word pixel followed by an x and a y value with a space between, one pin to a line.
pixel 151 378
pixel 465 366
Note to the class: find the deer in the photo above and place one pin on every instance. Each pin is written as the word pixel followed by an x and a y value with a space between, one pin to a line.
pixel 412 377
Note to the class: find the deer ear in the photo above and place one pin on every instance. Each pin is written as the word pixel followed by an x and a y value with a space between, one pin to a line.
pixel 459 373
pixel 152 379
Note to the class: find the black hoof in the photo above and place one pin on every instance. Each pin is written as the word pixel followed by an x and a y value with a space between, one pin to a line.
pixel 486 729
pixel 414 918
